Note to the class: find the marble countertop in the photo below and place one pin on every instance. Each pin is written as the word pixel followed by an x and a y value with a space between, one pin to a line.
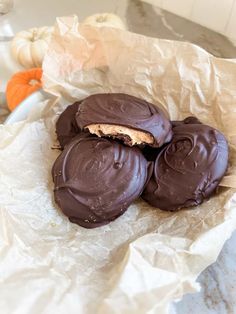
pixel 218 282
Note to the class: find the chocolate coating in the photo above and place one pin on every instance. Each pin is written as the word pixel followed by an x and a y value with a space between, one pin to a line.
pixel 96 179
pixel 151 153
pixel 128 111
pixel 188 120
pixel 188 169
pixel 66 126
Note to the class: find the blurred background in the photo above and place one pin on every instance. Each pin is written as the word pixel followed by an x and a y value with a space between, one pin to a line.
pixel 210 24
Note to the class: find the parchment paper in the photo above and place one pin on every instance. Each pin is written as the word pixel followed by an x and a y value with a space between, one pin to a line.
pixel 146 258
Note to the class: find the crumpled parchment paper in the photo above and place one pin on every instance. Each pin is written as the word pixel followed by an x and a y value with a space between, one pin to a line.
pixel 146 258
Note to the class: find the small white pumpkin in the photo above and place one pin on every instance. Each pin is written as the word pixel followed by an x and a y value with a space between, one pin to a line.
pixel 105 19
pixel 29 47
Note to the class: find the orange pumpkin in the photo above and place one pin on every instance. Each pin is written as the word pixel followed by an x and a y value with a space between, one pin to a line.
pixel 21 85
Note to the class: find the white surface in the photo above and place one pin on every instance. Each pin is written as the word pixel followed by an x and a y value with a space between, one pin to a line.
pixel 214 14
pixel 179 7
pixel 218 282
pixel 7 65
pixel 25 15
pixel 231 27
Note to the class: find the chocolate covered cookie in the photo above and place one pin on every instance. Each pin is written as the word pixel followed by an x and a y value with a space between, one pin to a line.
pixel 151 153
pixel 66 126
pixel 128 118
pixel 188 169
pixel 96 179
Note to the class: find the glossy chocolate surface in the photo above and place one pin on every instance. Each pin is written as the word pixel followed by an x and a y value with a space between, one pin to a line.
pixel 188 120
pixel 66 126
pixel 188 169
pixel 96 179
pixel 128 111
pixel 151 153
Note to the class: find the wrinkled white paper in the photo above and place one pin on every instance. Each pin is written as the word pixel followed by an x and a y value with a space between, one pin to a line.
pixel 146 258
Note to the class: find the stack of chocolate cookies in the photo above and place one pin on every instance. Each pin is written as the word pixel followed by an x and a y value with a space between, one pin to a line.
pixel 116 148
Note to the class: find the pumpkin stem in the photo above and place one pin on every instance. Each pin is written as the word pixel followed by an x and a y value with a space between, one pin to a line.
pixel 34 35
pixel 33 82
pixel 101 19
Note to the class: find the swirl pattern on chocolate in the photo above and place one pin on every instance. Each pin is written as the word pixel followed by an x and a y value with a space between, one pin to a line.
pixel 128 111
pixel 96 179
pixel 188 169
pixel 66 126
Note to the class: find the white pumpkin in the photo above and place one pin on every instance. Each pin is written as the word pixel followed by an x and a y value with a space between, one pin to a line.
pixel 105 19
pixel 29 47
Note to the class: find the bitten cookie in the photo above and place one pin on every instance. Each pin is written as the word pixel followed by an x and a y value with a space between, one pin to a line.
pixel 96 179
pixel 66 126
pixel 188 169
pixel 124 117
